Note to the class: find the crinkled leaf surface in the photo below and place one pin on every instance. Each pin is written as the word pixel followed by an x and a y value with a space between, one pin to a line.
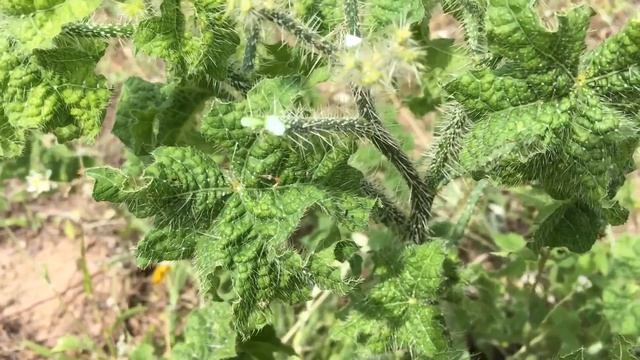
pixel 548 113
pixel 208 335
pixel 572 224
pixel 34 23
pixel 54 90
pixel 384 13
pixel 401 311
pixel 240 218
pixel 194 46
pixel 150 115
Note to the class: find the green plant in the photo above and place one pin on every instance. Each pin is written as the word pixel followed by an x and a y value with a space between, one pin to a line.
pixel 243 172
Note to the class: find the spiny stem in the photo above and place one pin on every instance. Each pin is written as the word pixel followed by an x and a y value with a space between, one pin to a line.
pixel 326 126
pixel 388 146
pixel 238 81
pixel 444 151
pixel 252 30
pixel 471 14
pixel 387 212
pixel 476 194
pixel 98 31
pixel 351 16
pixel 379 135
pixel 299 30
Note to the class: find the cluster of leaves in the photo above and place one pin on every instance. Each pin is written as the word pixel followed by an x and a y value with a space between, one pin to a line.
pixel 47 78
pixel 580 307
pixel 546 113
pixel 231 159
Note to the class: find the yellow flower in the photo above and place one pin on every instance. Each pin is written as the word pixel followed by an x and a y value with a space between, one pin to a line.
pixel 160 273
pixel 133 8
pixel 402 34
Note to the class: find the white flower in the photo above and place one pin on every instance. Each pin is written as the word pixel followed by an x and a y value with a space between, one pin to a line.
pixel 583 283
pixel 38 183
pixel 275 125
pixel 251 122
pixel 351 41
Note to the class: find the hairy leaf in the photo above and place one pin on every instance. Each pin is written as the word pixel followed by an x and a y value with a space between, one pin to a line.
pixel 194 47
pixel 543 111
pixel 34 23
pixel 208 335
pixel 574 225
pixel 150 115
pixel 401 311
pixel 380 14
pixel 226 220
pixel 54 90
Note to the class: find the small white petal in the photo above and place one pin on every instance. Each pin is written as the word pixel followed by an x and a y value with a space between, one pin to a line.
pixel 352 41
pixel 251 122
pixel 275 125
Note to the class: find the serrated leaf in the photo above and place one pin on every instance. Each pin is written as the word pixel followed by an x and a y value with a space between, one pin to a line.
pixel 542 109
pixel 201 51
pixel 208 335
pixel 400 312
pixel 55 90
pixel 574 225
pixel 36 23
pixel 226 220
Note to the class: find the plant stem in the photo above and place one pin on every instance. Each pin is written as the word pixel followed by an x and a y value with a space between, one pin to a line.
pixel 467 212
pixel 305 316
pixel 542 261
pixel 98 31
pixel 299 30
pixel 377 133
pixel 252 30
pixel 389 146
pixel 386 212
pixel 445 150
